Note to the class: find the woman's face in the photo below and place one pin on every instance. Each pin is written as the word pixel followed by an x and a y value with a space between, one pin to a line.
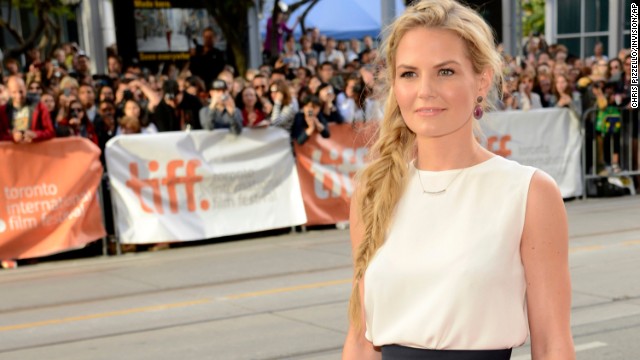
pixel 249 97
pixel 561 84
pixel 132 109
pixel 48 101
pixel 435 85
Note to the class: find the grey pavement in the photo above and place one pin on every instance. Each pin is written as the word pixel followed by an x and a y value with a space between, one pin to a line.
pixel 279 297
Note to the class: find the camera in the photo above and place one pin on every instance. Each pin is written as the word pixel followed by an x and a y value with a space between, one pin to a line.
pixel 73 113
pixel 310 113
pixel 224 97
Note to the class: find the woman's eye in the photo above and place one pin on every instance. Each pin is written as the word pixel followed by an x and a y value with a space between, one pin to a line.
pixel 445 72
pixel 408 74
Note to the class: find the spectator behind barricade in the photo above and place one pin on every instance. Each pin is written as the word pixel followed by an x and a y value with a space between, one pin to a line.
pixel 34 90
pixel 250 74
pixel 106 125
pixel 166 115
pixel 290 56
pixel 12 67
pixel 227 76
pixel 525 99
pixel 261 86
pixel 48 100
pixel 239 84
pixel 329 110
pixel 326 73
pixel 252 114
pixel 309 121
pixel 353 103
pixel 306 52
pixel 278 74
pixel 353 52
pixel 316 40
pixel 284 106
pixel 206 60
pixel 81 66
pixel 314 84
pixel 332 54
pixel 143 94
pixel 598 54
pixel 52 73
pixel 367 48
pixel 196 87
pixel 608 126
pixel 87 98
pixel 75 122
pixel 105 93
pixel 133 110
pixel 24 119
pixel 221 113
pixel 114 66
pixel 59 56
pixel 565 96
pixel 303 74
pixel 68 90
pixel 129 125
pixel 615 69
pixel 544 89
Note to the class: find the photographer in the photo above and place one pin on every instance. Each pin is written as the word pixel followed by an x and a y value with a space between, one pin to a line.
pixel 329 110
pixel 309 121
pixel 76 123
pixel 221 113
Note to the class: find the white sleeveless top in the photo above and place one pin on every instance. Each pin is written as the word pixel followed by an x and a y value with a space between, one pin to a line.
pixel 449 275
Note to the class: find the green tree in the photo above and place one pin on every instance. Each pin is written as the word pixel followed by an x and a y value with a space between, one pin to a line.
pixel 532 16
pixel 47 34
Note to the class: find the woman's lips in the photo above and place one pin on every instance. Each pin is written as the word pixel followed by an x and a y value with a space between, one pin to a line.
pixel 429 111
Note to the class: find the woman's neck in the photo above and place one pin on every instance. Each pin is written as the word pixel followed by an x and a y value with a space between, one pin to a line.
pixel 454 151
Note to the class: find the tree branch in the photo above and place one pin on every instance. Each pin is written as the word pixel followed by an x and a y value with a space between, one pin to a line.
pixel 293 7
pixel 43 9
pixel 304 14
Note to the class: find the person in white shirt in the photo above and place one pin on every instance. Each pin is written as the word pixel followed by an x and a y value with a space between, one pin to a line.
pixel 458 253
pixel 331 54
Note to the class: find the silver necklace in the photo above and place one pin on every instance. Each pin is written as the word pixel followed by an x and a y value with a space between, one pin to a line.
pixel 438 192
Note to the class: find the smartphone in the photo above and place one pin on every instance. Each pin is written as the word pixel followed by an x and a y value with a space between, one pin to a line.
pixel 66 92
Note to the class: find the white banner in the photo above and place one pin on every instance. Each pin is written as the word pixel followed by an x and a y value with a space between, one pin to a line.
pixel 548 139
pixel 182 186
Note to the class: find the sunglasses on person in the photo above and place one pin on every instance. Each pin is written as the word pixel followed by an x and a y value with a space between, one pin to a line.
pixel 77 109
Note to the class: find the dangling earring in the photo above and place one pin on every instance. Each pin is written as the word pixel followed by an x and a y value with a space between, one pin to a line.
pixel 477 111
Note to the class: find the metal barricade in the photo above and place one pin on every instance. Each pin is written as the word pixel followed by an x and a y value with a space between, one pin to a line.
pixel 629 156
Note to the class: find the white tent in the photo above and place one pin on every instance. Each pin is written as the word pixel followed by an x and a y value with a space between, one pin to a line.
pixel 341 19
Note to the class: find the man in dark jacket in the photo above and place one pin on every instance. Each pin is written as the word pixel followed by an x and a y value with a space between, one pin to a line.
pixel 206 61
pixel 24 120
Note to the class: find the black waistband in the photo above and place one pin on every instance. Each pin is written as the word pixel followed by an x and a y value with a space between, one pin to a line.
pixel 397 352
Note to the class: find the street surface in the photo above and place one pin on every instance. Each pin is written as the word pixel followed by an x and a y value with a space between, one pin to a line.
pixel 279 297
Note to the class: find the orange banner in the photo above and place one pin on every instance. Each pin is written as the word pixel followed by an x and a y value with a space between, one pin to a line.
pixel 48 200
pixel 326 168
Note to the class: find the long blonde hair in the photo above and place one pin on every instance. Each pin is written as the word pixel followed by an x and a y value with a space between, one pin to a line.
pixel 382 182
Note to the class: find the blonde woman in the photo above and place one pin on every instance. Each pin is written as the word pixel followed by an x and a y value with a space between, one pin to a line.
pixel 458 253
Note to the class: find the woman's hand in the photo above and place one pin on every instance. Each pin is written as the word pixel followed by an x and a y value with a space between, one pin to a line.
pixel 565 100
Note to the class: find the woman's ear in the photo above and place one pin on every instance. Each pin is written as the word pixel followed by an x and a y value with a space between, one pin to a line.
pixel 486 79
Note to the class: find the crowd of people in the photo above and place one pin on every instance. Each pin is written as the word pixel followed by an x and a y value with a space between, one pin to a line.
pixel 314 80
